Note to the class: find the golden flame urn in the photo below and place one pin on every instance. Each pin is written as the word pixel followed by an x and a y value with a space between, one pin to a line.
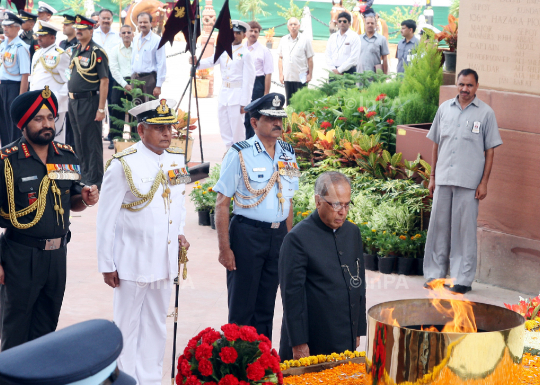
pixel 406 344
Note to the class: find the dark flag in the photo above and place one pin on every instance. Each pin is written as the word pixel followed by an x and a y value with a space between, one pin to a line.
pixel 226 34
pixel 19 4
pixel 179 20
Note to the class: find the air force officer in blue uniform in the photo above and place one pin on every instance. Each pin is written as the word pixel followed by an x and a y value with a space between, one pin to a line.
pixel 261 175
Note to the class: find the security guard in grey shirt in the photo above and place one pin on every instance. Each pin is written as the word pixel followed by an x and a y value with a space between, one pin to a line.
pixel 88 88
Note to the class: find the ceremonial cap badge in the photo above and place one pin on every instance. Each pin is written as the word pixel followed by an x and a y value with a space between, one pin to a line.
pixel 155 112
pixel 27 105
pixel 268 105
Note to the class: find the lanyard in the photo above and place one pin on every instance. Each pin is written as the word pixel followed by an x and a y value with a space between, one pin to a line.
pixel 297 39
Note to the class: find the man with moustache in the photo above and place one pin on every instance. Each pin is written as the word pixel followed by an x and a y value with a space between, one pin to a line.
pixel 238 77
pixel 343 47
pixel 138 239
pixel 50 66
pixel 264 67
pixel 261 175
pixel 374 47
pixel 464 134
pixel 88 88
pixel 322 277
pixel 39 187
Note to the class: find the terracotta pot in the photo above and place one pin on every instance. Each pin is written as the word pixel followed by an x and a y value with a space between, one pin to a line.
pixel 203 88
pixel 182 144
pixel 386 264
pixel 371 262
pixel 204 218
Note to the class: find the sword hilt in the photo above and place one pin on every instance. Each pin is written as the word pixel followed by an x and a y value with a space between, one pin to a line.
pixel 182 259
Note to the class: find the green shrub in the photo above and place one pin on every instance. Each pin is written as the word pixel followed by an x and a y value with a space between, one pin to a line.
pixel 390 88
pixel 415 110
pixel 303 99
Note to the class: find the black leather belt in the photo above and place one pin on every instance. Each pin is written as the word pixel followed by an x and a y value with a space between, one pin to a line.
pixel 42 244
pixel 143 74
pixel 112 378
pixel 261 224
pixel 82 95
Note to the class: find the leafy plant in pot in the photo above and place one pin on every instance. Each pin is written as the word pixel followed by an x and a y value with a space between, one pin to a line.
pixel 450 35
pixel 371 261
pixel 202 202
pixel 388 249
pixel 406 263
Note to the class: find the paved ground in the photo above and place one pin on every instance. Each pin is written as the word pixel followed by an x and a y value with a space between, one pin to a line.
pixel 203 296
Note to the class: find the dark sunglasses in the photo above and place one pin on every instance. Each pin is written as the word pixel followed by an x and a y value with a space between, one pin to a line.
pixel 126 33
pixel 343 21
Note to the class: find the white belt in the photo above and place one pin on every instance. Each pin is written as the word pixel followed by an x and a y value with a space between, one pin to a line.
pixel 232 85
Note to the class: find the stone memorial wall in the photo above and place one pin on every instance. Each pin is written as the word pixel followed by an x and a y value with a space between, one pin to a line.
pixel 500 39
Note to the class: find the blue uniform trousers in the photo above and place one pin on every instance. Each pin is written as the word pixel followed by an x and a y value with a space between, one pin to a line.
pixel 252 287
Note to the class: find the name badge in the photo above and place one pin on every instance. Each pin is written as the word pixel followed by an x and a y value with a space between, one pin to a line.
pixel 476 127
pixel 29 178
pixel 259 169
pixel 147 180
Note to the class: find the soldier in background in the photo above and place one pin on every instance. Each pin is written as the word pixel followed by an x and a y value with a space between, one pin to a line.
pixel 69 32
pixel 27 31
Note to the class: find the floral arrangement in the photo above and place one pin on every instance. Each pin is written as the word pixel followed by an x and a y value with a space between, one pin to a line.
pixel 449 33
pixel 269 34
pixel 203 74
pixel 236 356
pixel 528 308
pixel 346 374
pixel 319 359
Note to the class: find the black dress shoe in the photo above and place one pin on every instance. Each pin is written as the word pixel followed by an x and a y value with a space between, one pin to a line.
pixel 111 146
pixel 426 284
pixel 458 289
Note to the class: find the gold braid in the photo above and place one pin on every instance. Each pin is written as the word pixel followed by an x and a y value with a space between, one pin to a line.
pixel 38 205
pixel 49 68
pixel 81 71
pixel 145 199
pixel 256 193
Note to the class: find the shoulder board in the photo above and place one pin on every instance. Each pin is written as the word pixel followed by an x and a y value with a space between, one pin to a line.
pixel 59 50
pixel 286 146
pixel 127 151
pixel 239 146
pixel 7 151
pixel 175 150
pixel 65 147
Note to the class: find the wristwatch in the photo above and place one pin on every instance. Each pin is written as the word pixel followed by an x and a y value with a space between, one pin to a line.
pixel 101 110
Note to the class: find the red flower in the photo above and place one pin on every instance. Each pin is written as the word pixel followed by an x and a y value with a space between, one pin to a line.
pixel 179 378
pixel 265 346
pixel 325 125
pixel 231 332
pixel 229 379
pixel 192 380
pixel 228 355
pixel 390 121
pixel 361 110
pixel 255 371
pixel 280 377
pixel 205 367
pixel 188 353
pixel 204 351
pixel 185 368
pixel 371 114
pixel 380 97
pixel 275 354
pixel 325 108
pixel 248 333
pixel 342 118
pixel 211 336
pixel 244 383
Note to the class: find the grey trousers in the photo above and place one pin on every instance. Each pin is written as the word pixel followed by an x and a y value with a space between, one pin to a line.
pixel 451 238
pixel 88 140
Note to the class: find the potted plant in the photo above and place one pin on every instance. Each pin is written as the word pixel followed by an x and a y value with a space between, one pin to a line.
pixel 269 35
pixel 450 35
pixel 388 249
pixel 370 255
pixel 406 263
pixel 202 203
pixel 130 136
pixel 420 244
pixel 203 83
pixel 211 195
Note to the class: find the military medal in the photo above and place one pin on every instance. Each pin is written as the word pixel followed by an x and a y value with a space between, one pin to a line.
pixel 63 171
pixel 289 169
pixel 179 176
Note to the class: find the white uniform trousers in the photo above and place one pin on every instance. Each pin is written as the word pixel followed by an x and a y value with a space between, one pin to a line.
pixel 60 126
pixel 451 238
pixel 231 124
pixel 140 311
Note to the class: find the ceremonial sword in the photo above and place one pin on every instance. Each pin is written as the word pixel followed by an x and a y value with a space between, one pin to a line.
pixel 182 259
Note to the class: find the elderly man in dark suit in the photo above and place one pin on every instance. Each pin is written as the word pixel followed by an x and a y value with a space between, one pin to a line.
pixel 322 277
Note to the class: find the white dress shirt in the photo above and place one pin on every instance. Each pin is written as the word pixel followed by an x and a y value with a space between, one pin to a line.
pixel 141 245
pixel 237 74
pixel 343 50
pixel 57 80
pixel 120 63
pixel 295 54
pixel 107 41
pixel 147 58
pixel 262 59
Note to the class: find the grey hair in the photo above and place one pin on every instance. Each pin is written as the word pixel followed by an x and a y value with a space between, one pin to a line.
pixel 372 15
pixel 292 18
pixel 329 178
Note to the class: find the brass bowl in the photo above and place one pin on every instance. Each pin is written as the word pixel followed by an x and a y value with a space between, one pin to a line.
pixel 402 355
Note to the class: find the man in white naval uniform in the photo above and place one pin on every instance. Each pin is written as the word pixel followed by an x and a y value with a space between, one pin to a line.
pixel 50 67
pixel 238 76
pixel 141 226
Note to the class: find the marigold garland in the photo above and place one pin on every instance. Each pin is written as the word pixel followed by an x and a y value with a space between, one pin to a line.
pixel 314 360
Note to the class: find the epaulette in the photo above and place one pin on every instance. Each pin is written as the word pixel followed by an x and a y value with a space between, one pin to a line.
pixel 127 151
pixel 286 146
pixel 59 50
pixel 65 147
pixel 239 146
pixel 6 151
pixel 175 150
pixel 96 47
